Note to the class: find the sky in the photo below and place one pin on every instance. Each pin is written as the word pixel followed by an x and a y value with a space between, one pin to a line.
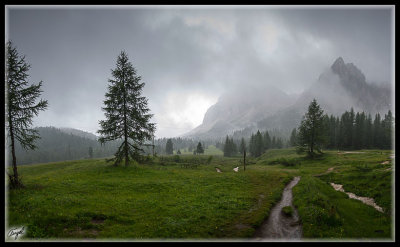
pixel 188 56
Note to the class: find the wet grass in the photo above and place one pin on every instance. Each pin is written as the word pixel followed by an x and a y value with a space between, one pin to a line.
pixel 326 213
pixel 183 197
pixel 91 199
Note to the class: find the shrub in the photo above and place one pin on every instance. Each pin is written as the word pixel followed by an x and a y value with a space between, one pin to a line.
pixel 177 158
pixel 287 211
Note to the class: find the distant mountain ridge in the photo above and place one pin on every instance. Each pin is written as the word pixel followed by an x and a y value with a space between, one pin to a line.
pixel 339 88
pixel 59 144
pixel 239 109
pixel 78 132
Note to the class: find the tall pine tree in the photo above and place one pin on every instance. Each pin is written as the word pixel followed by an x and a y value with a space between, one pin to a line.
pixel 311 131
pixel 126 112
pixel 21 106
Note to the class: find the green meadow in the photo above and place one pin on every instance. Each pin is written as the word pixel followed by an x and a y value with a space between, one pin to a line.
pixel 183 197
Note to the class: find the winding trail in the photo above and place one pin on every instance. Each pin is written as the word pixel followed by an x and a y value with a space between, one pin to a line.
pixel 279 226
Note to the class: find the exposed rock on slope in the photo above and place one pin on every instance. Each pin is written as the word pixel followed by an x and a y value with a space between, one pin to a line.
pixel 339 88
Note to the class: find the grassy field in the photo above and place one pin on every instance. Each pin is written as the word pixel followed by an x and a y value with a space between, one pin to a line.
pixel 183 197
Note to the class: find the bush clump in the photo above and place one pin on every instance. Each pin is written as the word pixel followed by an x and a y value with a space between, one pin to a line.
pixel 287 211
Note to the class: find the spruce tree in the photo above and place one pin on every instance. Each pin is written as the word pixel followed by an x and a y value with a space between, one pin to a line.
pixel 259 144
pixel 199 149
pixel 227 147
pixel 387 125
pixel 267 141
pixel 21 106
pixel 377 132
pixel 126 112
pixel 311 130
pixel 169 147
pixel 252 144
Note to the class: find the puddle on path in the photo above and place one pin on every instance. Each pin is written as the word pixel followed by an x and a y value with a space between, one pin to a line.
pixel 279 226
pixel 365 200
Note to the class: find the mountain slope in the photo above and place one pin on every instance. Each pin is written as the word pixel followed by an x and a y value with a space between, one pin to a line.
pixel 57 145
pixel 339 88
pixel 240 108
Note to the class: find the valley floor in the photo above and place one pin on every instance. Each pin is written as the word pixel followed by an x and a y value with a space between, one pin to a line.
pixel 171 198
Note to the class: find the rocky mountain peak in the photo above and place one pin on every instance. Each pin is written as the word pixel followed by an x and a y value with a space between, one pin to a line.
pixel 347 72
pixel 338 64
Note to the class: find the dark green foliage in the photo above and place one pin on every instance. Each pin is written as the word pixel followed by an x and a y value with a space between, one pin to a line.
pixel 285 161
pixel 261 142
pixel 287 211
pixel 169 148
pixel 199 149
pixel 178 152
pixel 21 106
pixel 56 145
pixel 312 131
pixel 177 158
pixel 357 131
pixel 230 148
pixel 126 112
pixel 267 141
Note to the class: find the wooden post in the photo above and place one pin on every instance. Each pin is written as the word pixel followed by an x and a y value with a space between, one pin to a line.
pixel 244 160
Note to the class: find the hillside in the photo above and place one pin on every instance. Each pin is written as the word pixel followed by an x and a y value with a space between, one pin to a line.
pixel 337 89
pixel 238 109
pixel 57 145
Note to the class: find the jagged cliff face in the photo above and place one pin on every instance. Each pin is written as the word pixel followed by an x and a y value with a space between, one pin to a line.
pixel 339 88
pixel 240 108
pixel 344 86
pixel 367 97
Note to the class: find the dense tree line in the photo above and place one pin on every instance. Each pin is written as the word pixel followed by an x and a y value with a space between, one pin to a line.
pixel 358 131
pixel 262 141
pixel 56 145
pixel 349 131
pixel 256 145
pixel 178 143
pixel 230 148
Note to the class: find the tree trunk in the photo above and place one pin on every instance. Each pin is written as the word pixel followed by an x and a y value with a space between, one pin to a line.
pixel 126 138
pixel 14 178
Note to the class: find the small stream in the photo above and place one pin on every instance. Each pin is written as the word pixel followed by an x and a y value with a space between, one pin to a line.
pixel 279 226
pixel 365 200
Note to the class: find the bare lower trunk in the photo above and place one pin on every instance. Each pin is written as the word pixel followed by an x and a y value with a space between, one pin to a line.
pixel 126 152
pixel 14 178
